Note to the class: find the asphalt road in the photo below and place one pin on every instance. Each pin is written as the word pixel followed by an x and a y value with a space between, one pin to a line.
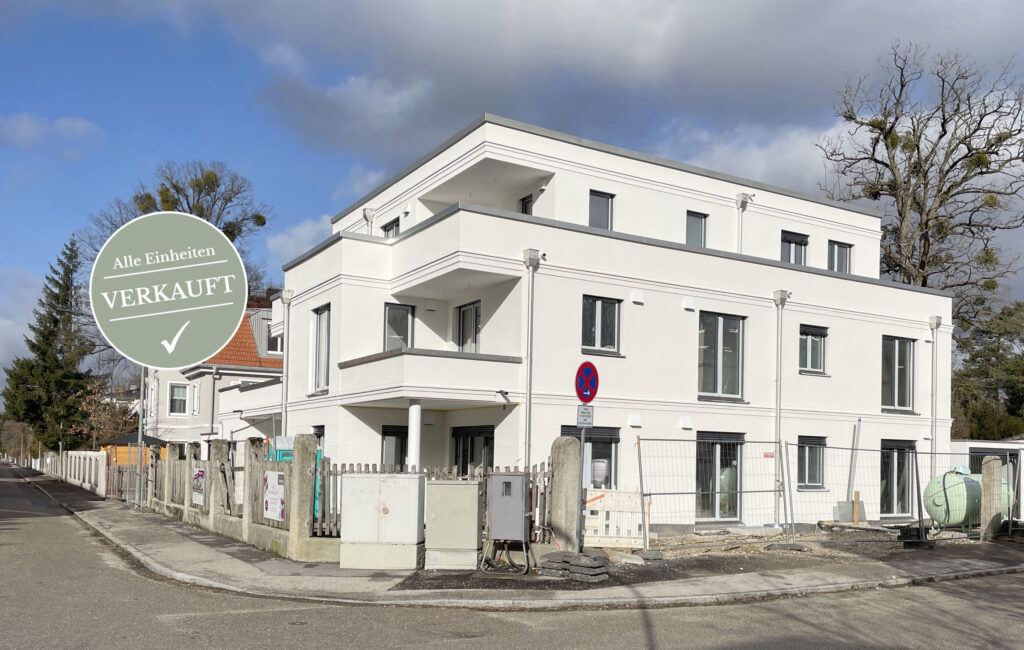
pixel 62 586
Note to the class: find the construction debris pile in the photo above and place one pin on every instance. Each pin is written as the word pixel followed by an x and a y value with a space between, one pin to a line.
pixel 575 566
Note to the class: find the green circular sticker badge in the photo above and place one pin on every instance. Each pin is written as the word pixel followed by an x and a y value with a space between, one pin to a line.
pixel 168 290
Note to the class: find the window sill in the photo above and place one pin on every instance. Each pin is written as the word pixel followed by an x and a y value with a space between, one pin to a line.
pixel 318 393
pixel 811 488
pixel 892 411
pixel 603 353
pixel 814 373
pixel 721 398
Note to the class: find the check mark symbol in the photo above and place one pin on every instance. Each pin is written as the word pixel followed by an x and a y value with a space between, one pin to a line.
pixel 174 342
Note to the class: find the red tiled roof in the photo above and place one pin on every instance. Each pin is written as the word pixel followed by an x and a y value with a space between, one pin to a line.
pixel 241 351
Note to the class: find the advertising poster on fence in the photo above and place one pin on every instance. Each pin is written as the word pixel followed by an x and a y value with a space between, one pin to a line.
pixel 199 487
pixel 273 495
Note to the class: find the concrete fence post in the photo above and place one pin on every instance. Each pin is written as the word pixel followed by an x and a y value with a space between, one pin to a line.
pixel 192 453
pixel 154 456
pixel 173 451
pixel 253 481
pixel 216 492
pixel 991 497
pixel 300 492
pixel 565 481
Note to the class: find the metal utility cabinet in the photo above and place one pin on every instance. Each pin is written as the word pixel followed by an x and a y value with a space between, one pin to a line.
pixel 508 508
pixel 454 525
pixel 382 521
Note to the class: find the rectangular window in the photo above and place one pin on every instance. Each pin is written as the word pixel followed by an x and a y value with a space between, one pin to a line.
pixel 601 323
pixel 393 444
pixel 472 447
pixel 601 210
pixel 177 402
pixel 794 248
pixel 391 229
pixel 839 257
pixel 810 461
pixel 469 327
pixel 812 348
pixel 275 344
pixel 896 477
pixel 897 372
pixel 696 229
pixel 322 346
pixel 398 326
pixel 600 456
pixel 718 476
pixel 526 204
pixel 720 355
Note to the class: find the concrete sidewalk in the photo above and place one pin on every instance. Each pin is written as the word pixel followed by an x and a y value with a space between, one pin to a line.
pixel 179 552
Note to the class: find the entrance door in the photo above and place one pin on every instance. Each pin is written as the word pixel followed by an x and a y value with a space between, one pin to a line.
pixel 718 476
pixel 472 447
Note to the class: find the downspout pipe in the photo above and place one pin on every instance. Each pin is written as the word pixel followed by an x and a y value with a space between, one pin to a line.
pixel 934 323
pixel 286 299
pixel 213 398
pixel 532 258
pixel 780 297
pixel 138 466
pixel 742 201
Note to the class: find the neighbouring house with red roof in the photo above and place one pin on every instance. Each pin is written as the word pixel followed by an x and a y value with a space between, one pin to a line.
pixel 185 405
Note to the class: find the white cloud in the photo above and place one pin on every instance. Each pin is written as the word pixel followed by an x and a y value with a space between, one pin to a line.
pixel 25 130
pixel 285 58
pixel 358 182
pixel 299 238
pixel 786 156
pixel 19 292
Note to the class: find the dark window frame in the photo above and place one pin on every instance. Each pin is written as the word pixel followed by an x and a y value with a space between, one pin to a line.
pixel 833 246
pixel 411 310
pixel 599 307
pixel 805 446
pixel 590 213
pixel 703 218
pixel 392 229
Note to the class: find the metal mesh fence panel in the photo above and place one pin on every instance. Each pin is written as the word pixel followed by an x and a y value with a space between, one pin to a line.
pixel 720 481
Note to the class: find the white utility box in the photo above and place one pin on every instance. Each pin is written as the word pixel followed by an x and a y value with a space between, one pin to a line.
pixel 382 521
pixel 454 525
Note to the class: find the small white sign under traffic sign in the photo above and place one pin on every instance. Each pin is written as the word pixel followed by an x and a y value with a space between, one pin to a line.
pixel 584 416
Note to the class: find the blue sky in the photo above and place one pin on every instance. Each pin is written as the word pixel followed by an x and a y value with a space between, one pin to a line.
pixel 316 102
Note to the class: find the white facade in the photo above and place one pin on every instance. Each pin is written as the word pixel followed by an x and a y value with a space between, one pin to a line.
pixel 461 239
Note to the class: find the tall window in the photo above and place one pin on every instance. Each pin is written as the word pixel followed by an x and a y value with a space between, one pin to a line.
pixel 720 355
pixel 177 402
pixel 394 443
pixel 195 398
pixel 897 372
pixel 839 257
pixel 469 327
pixel 794 248
pixel 526 204
pixel 718 475
pixel 390 230
pixel 322 346
pixel 812 348
pixel 601 210
pixel 601 323
pixel 896 477
pixel 472 447
pixel 398 324
pixel 275 344
pixel 811 450
pixel 696 229
pixel 600 456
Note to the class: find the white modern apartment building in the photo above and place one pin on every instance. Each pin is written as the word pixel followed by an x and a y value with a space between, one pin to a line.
pixel 443 320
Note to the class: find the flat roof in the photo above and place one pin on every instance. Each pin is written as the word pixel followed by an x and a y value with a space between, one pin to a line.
pixel 488 118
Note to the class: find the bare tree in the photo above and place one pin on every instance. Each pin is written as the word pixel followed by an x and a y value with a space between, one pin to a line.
pixel 941 144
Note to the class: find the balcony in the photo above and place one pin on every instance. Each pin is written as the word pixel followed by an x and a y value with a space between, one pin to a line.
pixel 440 379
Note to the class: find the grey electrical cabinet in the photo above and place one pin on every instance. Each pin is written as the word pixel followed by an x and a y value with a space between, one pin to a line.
pixel 454 523
pixel 508 507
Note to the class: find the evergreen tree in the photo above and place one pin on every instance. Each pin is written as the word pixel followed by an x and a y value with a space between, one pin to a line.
pixel 44 388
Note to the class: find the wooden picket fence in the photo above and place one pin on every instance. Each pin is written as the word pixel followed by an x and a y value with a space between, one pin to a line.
pixel 327 504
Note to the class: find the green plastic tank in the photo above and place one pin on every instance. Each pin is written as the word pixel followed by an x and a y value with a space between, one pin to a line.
pixel 954 498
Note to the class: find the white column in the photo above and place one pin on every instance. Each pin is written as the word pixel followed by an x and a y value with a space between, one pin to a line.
pixel 415 427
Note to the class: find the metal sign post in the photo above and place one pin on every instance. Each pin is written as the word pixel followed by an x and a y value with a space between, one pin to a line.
pixel 586 390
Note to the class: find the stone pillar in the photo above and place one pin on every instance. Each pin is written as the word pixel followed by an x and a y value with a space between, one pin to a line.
pixel 173 451
pixel 415 432
pixel 565 481
pixel 192 453
pixel 991 497
pixel 253 481
pixel 300 492
pixel 216 488
pixel 154 456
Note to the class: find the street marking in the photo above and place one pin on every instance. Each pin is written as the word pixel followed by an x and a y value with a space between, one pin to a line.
pixel 174 342
pixel 232 612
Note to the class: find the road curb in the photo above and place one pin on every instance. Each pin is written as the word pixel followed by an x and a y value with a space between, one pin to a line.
pixel 525 604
